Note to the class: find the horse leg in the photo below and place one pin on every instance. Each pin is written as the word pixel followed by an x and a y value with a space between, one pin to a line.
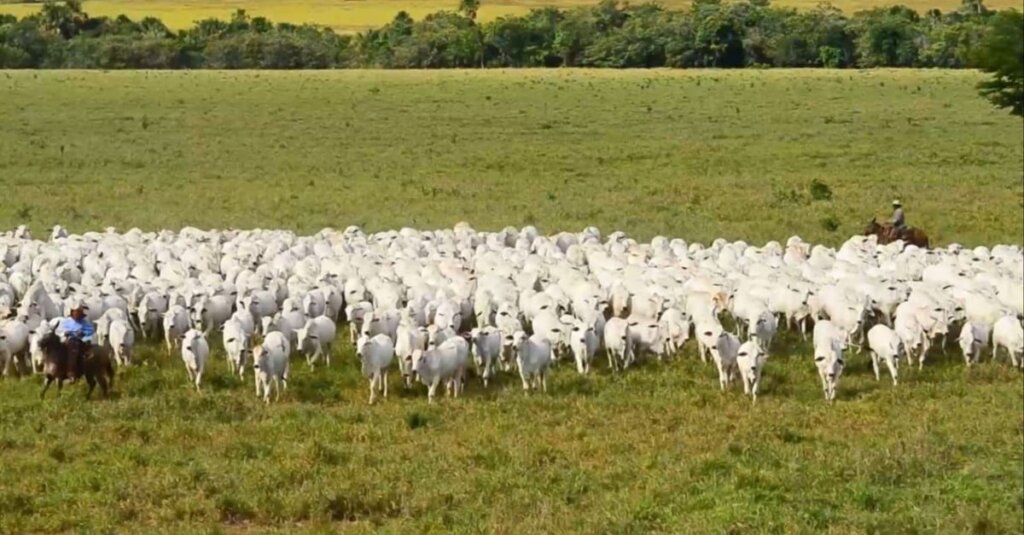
pixel 92 385
pixel 46 386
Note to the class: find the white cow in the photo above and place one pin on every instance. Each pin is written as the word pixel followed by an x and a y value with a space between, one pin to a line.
pixel 175 325
pixel 1007 333
pixel 444 363
pixel 486 349
pixel 750 359
pixel 236 346
pixel 533 356
pixel 270 365
pixel 409 339
pixel 617 343
pixel 14 344
pixel 316 339
pixel 726 349
pixel 122 341
pixel 194 352
pixel 375 355
pixel 886 346
pixel 973 338
pixel 583 342
pixel 829 343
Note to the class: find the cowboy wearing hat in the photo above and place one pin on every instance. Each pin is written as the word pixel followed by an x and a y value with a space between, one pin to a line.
pixel 899 223
pixel 78 326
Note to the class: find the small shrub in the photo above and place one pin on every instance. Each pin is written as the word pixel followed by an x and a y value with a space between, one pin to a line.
pixel 820 191
pixel 233 509
pixel 830 223
pixel 58 453
pixel 415 420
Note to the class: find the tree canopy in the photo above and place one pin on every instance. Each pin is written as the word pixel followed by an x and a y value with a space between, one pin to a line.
pixel 708 33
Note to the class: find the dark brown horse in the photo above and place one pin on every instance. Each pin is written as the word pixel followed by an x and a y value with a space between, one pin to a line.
pixel 887 234
pixel 72 359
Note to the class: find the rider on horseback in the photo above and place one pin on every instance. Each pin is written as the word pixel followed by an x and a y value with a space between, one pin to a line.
pixel 79 327
pixel 899 222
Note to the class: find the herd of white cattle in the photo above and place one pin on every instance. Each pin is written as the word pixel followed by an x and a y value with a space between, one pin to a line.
pixel 440 301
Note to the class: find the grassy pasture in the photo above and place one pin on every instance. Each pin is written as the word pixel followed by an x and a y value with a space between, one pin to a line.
pixel 659 449
pixel 695 154
pixel 358 15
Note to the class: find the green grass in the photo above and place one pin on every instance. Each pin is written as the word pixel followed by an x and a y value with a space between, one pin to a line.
pixel 658 449
pixel 694 154
pixel 359 15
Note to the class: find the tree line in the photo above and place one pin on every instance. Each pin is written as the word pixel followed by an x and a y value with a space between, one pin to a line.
pixel 710 33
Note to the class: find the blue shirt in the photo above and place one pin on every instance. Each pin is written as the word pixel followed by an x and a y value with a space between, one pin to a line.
pixel 82 329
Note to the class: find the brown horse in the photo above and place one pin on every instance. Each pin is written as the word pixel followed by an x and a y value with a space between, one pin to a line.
pixel 72 358
pixel 887 234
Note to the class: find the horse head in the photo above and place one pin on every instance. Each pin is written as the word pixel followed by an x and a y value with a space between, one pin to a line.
pixel 872 227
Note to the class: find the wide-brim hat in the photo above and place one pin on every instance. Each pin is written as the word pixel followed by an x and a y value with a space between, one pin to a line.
pixel 897 203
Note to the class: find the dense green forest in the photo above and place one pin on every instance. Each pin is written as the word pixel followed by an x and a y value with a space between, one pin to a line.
pixel 710 33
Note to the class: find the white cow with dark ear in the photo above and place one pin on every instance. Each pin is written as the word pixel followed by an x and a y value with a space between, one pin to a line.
pixel 175 325
pixel 675 327
pixel 973 338
pixel 194 352
pixel 750 359
pixel 583 341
